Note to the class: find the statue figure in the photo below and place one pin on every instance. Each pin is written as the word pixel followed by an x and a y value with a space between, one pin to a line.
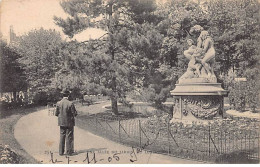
pixel 196 31
pixel 201 58
pixel 191 53
pixel 208 53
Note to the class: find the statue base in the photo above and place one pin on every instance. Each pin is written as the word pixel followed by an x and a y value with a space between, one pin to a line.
pixel 198 101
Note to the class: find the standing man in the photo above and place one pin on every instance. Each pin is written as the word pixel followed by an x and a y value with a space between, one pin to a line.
pixel 65 111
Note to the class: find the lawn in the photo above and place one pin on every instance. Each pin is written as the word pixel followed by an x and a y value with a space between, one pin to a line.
pixel 8 140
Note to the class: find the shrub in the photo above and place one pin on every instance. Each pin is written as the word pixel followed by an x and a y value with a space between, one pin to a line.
pixel 253 86
pixel 8 156
pixel 237 96
pixel 242 93
pixel 40 98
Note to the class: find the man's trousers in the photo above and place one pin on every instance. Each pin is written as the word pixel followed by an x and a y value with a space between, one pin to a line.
pixel 69 132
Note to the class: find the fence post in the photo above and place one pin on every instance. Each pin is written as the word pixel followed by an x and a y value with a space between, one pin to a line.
pixel 233 142
pixel 140 134
pixel 119 133
pixel 96 121
pixel 241 143
pixel 258 145
pixel 221 138
pixel 249 142
pixel 106 125
pixel 209 139
pixel 194 145
pixel 245 141
pixel 168 135
pixel 204 147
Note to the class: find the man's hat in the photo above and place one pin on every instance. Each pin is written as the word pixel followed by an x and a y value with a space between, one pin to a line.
pixel 65 92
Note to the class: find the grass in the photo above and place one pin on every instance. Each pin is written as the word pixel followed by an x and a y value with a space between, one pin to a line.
pixel 7 124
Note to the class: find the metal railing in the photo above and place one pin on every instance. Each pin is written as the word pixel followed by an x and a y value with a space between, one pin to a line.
pixel 201 144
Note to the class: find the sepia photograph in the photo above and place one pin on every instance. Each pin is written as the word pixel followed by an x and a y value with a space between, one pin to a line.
pixel 129 82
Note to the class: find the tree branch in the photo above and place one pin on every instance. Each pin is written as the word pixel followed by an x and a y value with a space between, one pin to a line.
pixel 95 39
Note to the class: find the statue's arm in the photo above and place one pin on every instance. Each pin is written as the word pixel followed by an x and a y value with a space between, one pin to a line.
pixel 187 52
pixel 199 42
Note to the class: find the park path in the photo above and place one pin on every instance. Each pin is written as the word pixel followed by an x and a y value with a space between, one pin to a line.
pixel 246 114
pixel 38 134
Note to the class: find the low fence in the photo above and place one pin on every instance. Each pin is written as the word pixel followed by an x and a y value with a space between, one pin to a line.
pixel 201 144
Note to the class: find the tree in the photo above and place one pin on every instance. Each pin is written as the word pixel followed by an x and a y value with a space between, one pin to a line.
pixel 12 74
pixel 175 18
pixel 39 50
pixel 235 28
pixel 107 65
pixel 73 72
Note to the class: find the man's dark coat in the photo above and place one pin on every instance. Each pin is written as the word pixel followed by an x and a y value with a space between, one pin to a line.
pixel 66 112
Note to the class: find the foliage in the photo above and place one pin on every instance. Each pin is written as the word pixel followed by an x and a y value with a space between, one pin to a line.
pixel 107 63
pixel 145 43
pixel 143 94
pixel 242 93
pixel 141 51
pixel 177 19
pixel 40 98
pixel 184 140
pixel 12 75
pixel 72 73
pixel 39 50
pixel 238 128
pixel 235 28
pixel 8 156
pixel 237 96
pixel 253 87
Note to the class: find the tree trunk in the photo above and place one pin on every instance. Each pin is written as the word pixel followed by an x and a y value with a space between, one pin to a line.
pixel 114 97
pixel 114 104
pixel 112 52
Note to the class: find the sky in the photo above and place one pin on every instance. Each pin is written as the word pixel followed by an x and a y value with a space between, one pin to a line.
pixel 25 15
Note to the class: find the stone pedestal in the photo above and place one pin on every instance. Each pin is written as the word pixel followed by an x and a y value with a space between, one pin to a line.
pixel 198 101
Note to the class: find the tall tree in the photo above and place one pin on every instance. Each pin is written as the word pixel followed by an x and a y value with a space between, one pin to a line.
pixel 39 50
pixel 235 28
pixel 73 72
pixel 111 16
pixel 12 76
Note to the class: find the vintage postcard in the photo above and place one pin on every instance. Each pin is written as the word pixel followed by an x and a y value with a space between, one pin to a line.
pixel 129 81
